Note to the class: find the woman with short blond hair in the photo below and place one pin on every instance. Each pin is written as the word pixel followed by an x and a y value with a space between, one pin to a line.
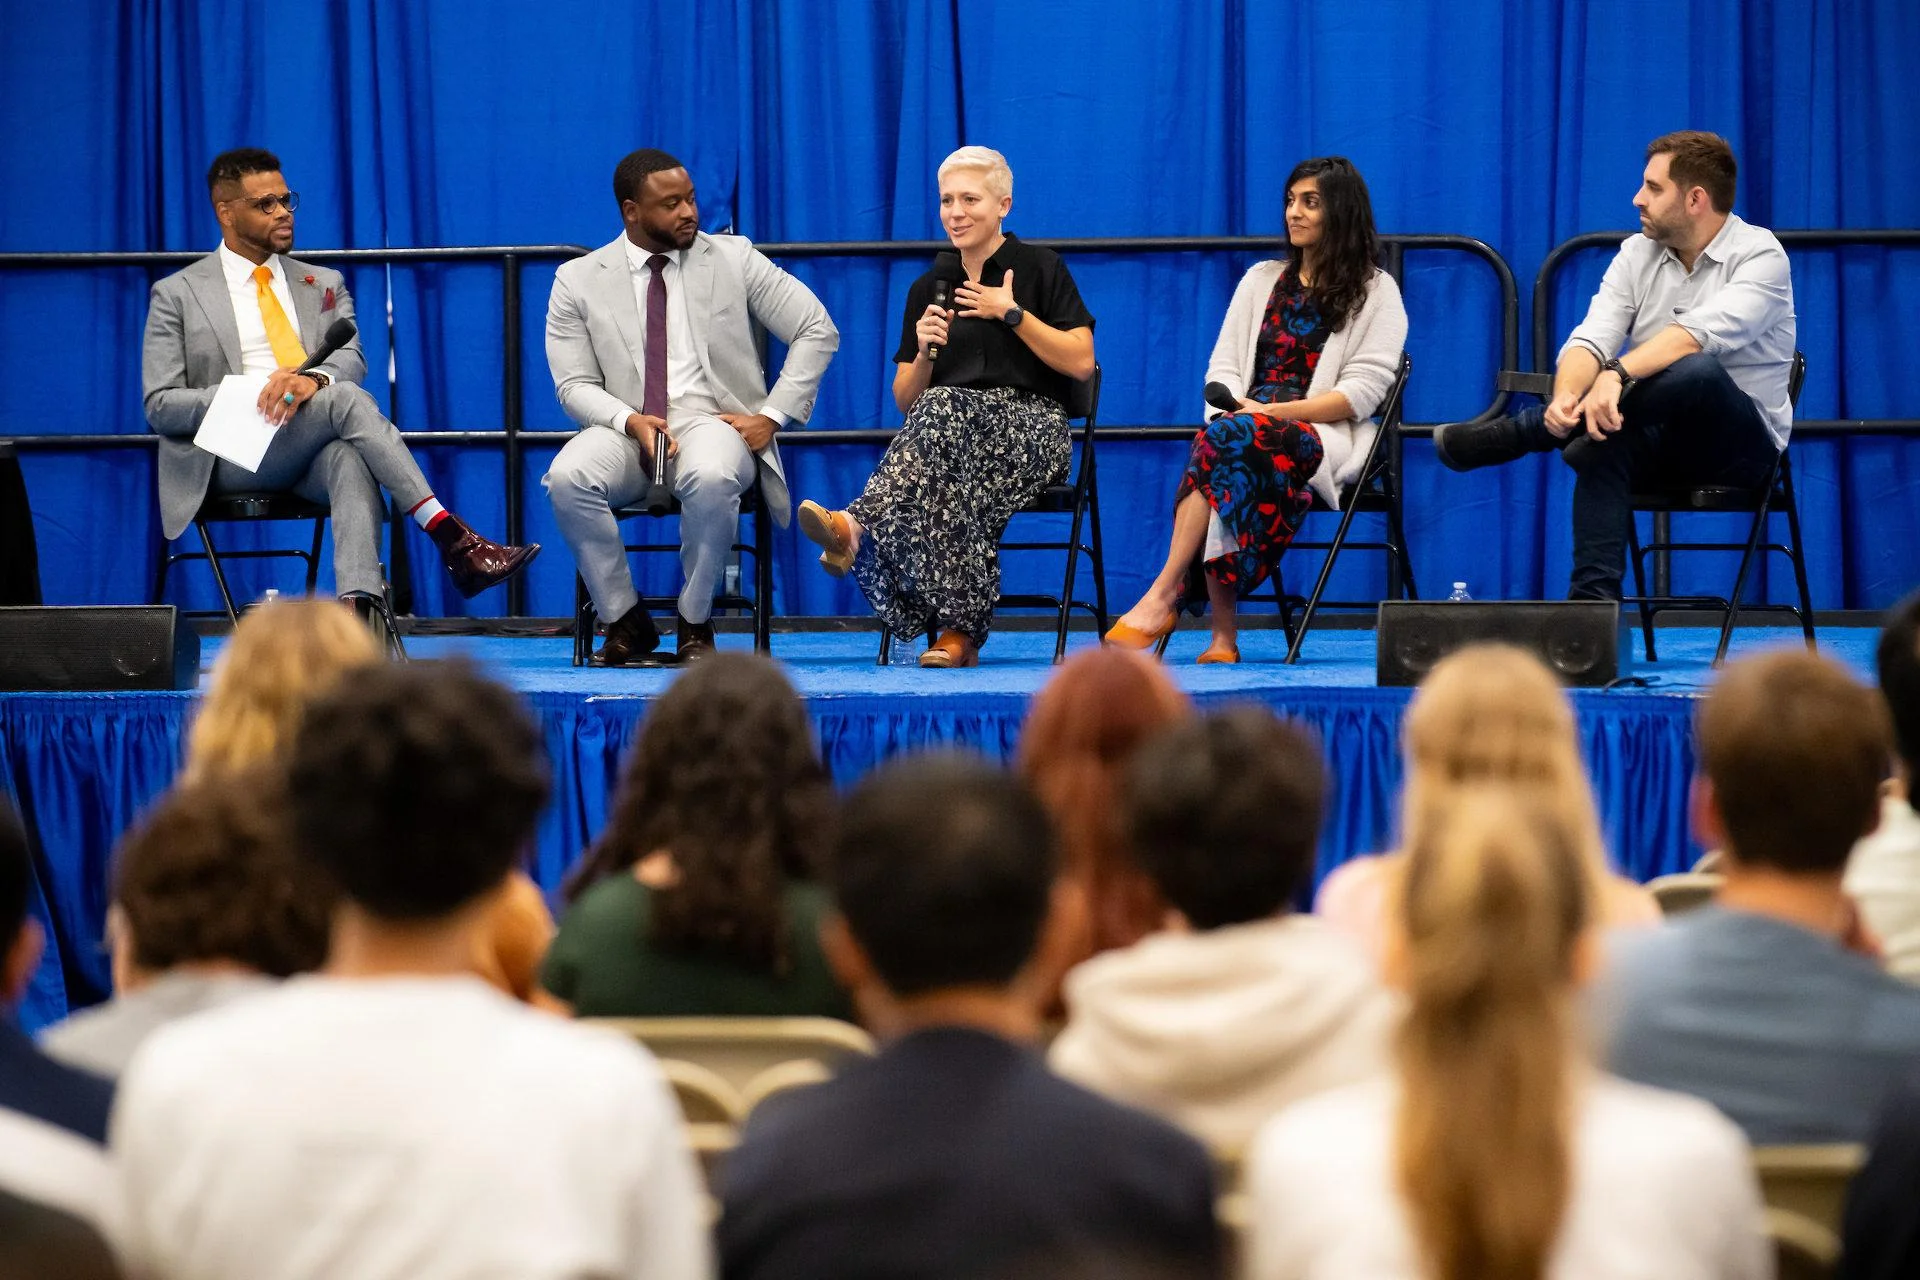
pixel 984 379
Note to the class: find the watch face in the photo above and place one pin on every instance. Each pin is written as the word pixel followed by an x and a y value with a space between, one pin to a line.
pixel 1014 316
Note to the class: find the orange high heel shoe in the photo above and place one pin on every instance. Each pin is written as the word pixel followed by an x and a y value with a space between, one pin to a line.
pixel 1122 636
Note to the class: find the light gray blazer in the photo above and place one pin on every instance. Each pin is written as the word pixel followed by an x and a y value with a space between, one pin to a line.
pixel 594 339
pixel 192 342
pixel 1360 361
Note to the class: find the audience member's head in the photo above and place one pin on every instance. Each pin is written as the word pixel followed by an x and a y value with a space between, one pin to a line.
pixel 1223 813
pixel 942 875
pixel 1492 907
pixel 206 879
pixel 1899 661
pixel 416 788
pixel 1079 735
pixel 725 781
pixel 280 657
pixel 1494 714
pixel 40 1242
pixel 1793 750
pixel 20 936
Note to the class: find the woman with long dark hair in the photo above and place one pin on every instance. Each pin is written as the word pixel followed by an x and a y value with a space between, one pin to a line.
pixel 1311 346
pixel 697 899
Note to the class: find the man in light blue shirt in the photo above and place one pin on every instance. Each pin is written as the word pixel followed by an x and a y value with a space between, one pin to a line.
pixel 1763 1003
pixel 1678 375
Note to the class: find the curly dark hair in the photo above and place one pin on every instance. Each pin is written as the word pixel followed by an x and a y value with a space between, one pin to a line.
pixel 726 779
pixel 1349 248
pixel 416 787
pixel 230 166
pixel 207 875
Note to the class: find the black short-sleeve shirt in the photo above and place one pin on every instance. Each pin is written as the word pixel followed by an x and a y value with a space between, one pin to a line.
pixel 986 353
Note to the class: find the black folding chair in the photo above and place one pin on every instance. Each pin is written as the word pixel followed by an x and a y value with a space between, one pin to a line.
pixel 1376 490
pixel 1076 495
pixel 759 603
pixel 1774 495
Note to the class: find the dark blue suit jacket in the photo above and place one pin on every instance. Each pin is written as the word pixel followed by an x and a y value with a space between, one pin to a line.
pixel 957 1154
pixel 33 1084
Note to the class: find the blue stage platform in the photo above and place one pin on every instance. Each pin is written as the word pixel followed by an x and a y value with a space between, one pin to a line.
pixel 82 766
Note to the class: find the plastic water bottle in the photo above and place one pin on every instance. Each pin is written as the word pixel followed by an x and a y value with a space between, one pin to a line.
pixel 1459 592
pixel 273 594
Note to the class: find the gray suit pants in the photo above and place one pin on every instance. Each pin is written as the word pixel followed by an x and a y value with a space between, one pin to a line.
pixel 601 469
pixel 341 450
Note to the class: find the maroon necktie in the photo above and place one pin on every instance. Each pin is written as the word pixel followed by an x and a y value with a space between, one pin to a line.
pixel 655 394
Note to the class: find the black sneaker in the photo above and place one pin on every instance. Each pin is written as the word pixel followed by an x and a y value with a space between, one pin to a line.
pixel 1468 446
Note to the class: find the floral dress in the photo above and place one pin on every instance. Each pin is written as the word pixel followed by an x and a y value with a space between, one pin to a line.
pixel 1253 468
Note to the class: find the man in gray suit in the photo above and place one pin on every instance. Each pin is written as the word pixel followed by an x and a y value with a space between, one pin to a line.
pixel 653 344
pixel 248 308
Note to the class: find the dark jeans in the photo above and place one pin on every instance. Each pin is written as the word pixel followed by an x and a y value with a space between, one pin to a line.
pixel 1689 424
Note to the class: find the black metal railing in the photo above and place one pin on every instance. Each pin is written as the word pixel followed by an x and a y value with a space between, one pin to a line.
pixel 512 435
pixel 1544 329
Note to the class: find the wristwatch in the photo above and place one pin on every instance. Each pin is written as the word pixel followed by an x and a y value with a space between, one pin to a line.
pixel 1014 316
pixel 1626 379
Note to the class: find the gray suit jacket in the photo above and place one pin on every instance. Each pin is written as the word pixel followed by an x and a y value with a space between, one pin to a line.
pixel 192 342
pixel 594 339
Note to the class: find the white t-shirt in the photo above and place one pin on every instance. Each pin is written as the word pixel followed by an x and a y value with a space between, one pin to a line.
pixel 408 1128
pixel 1663 1189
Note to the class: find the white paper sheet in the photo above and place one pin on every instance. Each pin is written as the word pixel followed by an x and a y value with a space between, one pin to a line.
pixel 233 427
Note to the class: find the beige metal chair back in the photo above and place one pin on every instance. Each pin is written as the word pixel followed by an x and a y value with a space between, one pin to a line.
pixel 757 1057
pixel 1687 891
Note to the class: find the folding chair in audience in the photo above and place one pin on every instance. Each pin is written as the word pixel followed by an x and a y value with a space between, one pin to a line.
pixel 752 1056
pixel 1684 891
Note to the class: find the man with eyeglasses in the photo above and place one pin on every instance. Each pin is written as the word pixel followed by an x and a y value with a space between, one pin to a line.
pixel 248 308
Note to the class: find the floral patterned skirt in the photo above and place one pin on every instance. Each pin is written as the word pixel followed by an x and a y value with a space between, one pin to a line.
pixel 1253 470
pixel 933 511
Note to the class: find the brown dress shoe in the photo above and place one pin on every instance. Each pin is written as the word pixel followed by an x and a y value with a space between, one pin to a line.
pixel 952 649
pixel 694 640
pixel 630 638
pixel 475 562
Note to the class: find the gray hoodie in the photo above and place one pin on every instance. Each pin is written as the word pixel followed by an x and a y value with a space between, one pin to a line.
pixel 1218 1030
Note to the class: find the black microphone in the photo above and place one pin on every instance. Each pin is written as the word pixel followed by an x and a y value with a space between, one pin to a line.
pixel 659 497
pixel 947 273
pixel 339 334
pixel 1220 397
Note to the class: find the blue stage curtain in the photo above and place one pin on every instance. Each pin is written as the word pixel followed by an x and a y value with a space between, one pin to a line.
pixel 485 121
pixel 84 767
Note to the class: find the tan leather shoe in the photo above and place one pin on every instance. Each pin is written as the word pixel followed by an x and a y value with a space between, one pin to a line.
pixel 1219 653
pixel 952 649
pixel 830 530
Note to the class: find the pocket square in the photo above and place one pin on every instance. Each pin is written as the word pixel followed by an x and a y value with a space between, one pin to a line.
pixel 326 301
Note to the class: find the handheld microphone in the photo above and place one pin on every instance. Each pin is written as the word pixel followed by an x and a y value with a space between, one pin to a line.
pixel 947 273
pixel 1220 397
pixel 339 334
pixel 659 497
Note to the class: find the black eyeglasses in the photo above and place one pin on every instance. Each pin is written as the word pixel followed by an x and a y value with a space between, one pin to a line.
pixel 267 204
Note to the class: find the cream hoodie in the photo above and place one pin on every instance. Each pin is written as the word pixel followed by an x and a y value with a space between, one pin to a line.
pixel 1218 1030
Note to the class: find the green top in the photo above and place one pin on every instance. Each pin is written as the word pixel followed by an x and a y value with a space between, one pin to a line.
pixel 603 964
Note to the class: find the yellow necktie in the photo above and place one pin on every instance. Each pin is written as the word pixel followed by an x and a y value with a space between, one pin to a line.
pixel 280 333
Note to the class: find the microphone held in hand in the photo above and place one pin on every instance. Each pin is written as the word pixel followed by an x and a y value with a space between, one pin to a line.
pixel 1220 397
pixel 339 334
pixel 659 496
pixel 948 274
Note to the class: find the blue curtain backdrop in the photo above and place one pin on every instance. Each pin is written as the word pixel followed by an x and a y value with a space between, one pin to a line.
pixel 486 122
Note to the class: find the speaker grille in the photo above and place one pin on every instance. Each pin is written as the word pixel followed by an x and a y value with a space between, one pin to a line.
pixel 96 647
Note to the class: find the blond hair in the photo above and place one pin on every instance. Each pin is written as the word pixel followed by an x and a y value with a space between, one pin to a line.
pixel 1490 905
pixel 997 174
pixel 281 657
pixel 1494 713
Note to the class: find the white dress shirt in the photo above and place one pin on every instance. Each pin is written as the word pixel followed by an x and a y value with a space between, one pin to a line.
pixel 256 353
pixel 688 389
pixel 408 1128
pixel 1737 302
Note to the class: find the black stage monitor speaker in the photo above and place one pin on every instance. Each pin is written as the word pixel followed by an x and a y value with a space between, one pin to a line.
pixel 97 647
pixel 1579 640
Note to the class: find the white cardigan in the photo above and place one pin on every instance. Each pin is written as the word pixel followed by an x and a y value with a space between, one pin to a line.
pixel 1360 361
